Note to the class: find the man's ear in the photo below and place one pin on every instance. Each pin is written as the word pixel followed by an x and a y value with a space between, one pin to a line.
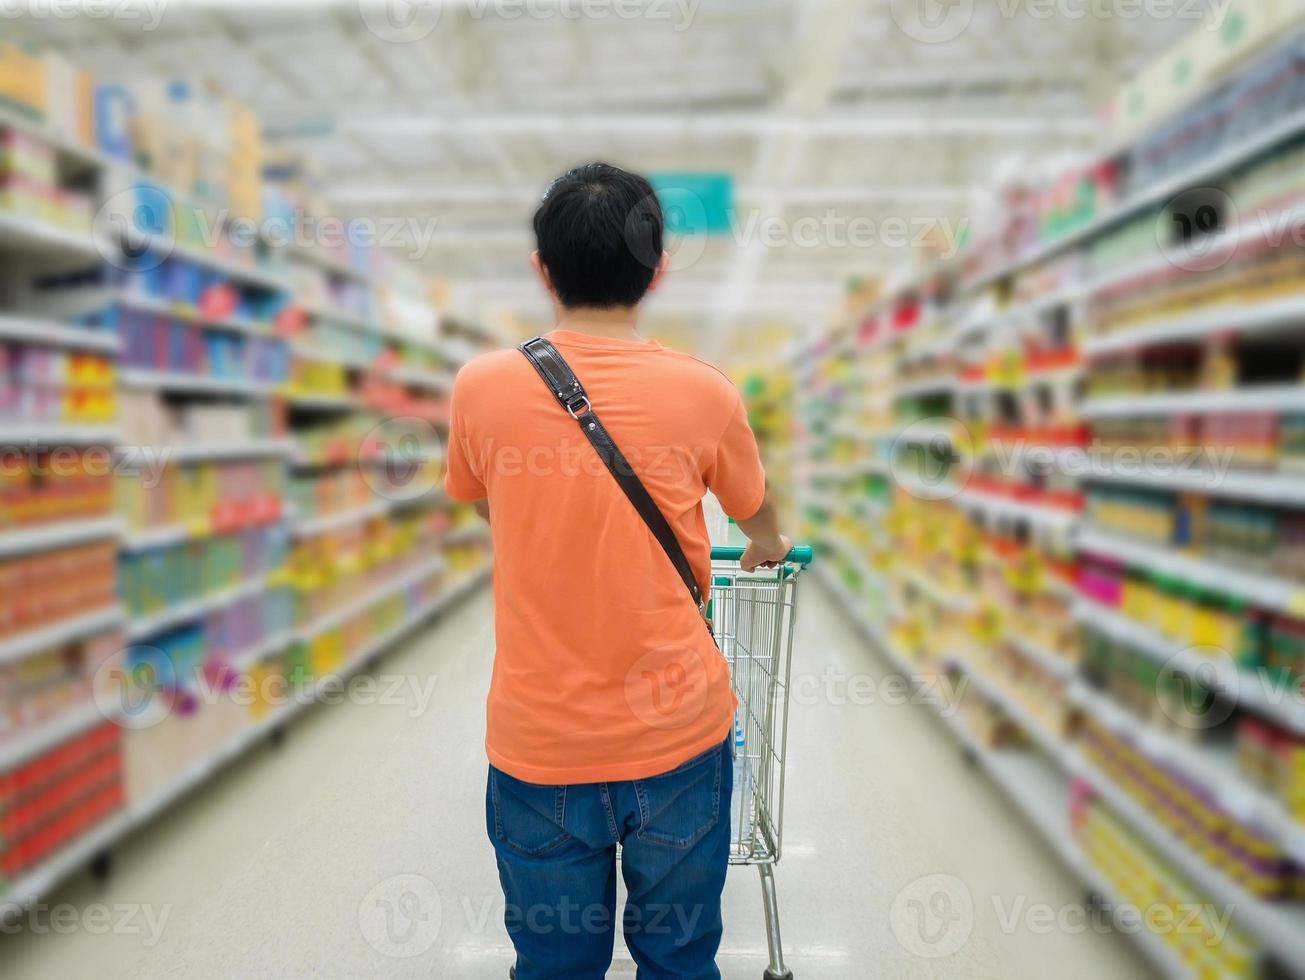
pixel 541 271
pixel 663 264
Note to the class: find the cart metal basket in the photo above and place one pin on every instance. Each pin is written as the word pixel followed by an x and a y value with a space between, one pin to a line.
pixel 752 616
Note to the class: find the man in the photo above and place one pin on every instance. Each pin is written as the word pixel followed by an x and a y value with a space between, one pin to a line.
pixel 610 707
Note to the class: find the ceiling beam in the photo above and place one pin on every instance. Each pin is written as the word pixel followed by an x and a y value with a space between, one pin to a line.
pixel 709 125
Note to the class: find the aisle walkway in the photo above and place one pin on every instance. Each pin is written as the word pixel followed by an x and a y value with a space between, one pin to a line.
pixel 363 835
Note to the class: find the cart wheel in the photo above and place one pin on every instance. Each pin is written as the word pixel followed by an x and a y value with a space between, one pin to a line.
pixel 768 975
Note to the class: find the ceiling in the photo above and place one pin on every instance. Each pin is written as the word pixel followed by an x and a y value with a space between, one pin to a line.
pixel 834 116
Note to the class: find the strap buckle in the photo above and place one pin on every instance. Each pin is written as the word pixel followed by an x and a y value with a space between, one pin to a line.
pixel 579 406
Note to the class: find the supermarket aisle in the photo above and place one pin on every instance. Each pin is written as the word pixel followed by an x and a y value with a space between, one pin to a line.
pixel 264 873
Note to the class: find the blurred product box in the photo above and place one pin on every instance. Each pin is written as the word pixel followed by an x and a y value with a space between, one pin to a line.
pixel 1235 31
pixel 22 80
pixel 69 100
pixel 114 109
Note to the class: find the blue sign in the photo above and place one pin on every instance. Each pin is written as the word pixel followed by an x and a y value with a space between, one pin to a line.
pixel 695 203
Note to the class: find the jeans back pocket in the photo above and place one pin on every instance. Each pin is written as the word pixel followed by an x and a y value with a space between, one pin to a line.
pixel 677 808
pixel 528 818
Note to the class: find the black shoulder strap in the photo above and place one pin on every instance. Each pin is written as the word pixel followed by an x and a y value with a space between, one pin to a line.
pixel 570 394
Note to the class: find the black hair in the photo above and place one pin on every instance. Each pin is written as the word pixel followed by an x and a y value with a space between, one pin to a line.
pixel 599 234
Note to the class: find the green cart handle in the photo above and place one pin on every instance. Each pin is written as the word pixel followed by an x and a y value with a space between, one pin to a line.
pixel 800 555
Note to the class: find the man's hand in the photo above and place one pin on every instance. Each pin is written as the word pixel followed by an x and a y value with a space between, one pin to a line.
pixel 765 554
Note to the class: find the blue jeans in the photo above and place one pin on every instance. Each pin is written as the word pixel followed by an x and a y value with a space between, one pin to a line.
pixel 556 850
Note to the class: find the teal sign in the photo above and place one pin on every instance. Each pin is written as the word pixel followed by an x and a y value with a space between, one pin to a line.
pixel 695 203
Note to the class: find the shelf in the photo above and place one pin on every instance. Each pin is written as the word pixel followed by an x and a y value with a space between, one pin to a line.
pixel 1053 664
pixel 1052 745
pixel 1269 398
pixel 857 561
pixel 328 263
pixel 1036 788
pixel 924 386
pixel 1051 519
pixel 1266 591
pixel 421 377
pixel 164 307
pixel 232 268
pixel 262 649
pixel 184 382
pixel 308 352
pixel 335 617
pixel 75 151
pixel 41 881
pixel 1266 487
pixel 463 535
pixel 182 612
pixel 311 526
pixel 54 334
pixel 938 594
pixel 1226 319
pixel 29 742
pixel 56 434
pixel 236 449
pixel 145 539
pixel 1249 689
pixel 1153 195
pixel 924 431
pixel 1215 768
pixel 1281 928
pixel 45 537
pixel 65 631
pixel 342 403
pixel 34 237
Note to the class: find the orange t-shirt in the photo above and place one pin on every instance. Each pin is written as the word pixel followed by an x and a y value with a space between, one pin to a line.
pixel 604 669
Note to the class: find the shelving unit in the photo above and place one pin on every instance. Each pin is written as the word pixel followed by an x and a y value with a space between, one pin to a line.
pixel 997 461
pixel 279 421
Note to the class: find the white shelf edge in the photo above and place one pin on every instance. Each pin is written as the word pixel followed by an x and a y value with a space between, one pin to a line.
pixel 1270 486
pixel 28 742
pixel 1269 398
pixel 190 609
pixel 384 590
pixel 1230 318
pixel 55 334
pixel 34 641
pixel 184 381
pixel 57 535
pixel 237 449
pixel 1279 594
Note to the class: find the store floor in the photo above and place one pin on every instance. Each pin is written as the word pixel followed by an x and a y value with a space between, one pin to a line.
pixel 263 873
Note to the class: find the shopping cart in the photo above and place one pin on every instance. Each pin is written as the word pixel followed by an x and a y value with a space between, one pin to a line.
pixel 752 616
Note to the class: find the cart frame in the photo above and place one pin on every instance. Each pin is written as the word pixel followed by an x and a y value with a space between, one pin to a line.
pixel 753 615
